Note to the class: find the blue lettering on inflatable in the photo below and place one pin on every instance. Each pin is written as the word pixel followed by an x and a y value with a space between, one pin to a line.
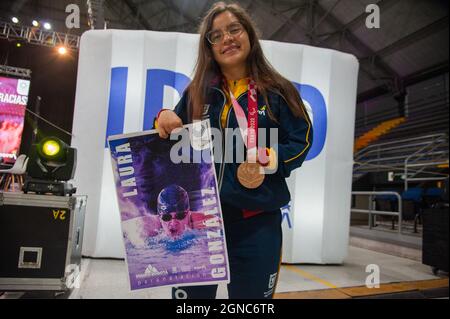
pixel 154 92
pixel 116 107
pixel 154 95
pixel 315 99
pixel 285 210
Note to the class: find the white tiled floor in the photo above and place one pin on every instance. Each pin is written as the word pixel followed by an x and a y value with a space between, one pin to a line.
pixel 103 278
pixel 107 278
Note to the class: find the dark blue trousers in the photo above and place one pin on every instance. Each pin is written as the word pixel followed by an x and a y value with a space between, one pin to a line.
pixel 254 252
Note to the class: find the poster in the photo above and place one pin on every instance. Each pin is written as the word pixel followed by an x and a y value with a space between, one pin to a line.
pixel 169 205
pixel 13 100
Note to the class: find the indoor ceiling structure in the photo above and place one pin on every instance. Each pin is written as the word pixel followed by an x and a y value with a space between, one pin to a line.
pixel 411 44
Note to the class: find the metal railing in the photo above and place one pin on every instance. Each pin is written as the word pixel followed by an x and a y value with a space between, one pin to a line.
pixel 419 152
pixel 403 143
pixel 368 167
pixel 372 209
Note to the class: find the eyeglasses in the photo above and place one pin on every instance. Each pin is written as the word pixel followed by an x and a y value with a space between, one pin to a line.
pixel 167 217
pixel 216 36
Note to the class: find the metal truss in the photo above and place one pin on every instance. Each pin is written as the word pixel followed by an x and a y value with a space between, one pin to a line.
pixel 37 36
pixel 96 15
pixel 15 71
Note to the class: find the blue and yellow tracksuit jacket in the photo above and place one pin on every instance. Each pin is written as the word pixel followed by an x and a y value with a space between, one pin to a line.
pixel 295 137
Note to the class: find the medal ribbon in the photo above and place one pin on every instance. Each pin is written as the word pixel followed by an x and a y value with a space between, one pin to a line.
pixel 249 129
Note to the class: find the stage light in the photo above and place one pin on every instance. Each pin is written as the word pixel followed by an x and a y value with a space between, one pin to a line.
pixel 35 23
pixel 51 164
pixel 18 45
pixel 52 159
pixel 15 20
pixel 62 50
pixel 51 148
pixel 47 26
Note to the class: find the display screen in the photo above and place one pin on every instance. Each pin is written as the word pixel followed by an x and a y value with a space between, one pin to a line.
pixel 13 100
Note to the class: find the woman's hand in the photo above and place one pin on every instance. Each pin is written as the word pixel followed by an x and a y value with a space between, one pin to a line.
pixel 168 121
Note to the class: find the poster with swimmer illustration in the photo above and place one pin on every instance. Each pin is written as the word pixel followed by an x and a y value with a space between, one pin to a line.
pixel 169 207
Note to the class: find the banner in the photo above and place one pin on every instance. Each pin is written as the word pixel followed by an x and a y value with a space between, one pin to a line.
pixel 124 79
pixel 13 100
pixel 170 212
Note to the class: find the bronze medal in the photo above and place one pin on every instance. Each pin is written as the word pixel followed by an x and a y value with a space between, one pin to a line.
pixel 249 175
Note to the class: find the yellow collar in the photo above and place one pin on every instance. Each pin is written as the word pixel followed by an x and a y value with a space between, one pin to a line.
pixel 235 83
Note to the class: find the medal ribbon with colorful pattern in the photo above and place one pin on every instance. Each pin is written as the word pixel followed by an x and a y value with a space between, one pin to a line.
pixel 249 129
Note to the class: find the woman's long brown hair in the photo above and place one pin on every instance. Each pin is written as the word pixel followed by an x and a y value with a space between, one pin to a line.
pixel 265 76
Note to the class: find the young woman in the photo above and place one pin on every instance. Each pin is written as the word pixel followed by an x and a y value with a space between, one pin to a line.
pixel 230 66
